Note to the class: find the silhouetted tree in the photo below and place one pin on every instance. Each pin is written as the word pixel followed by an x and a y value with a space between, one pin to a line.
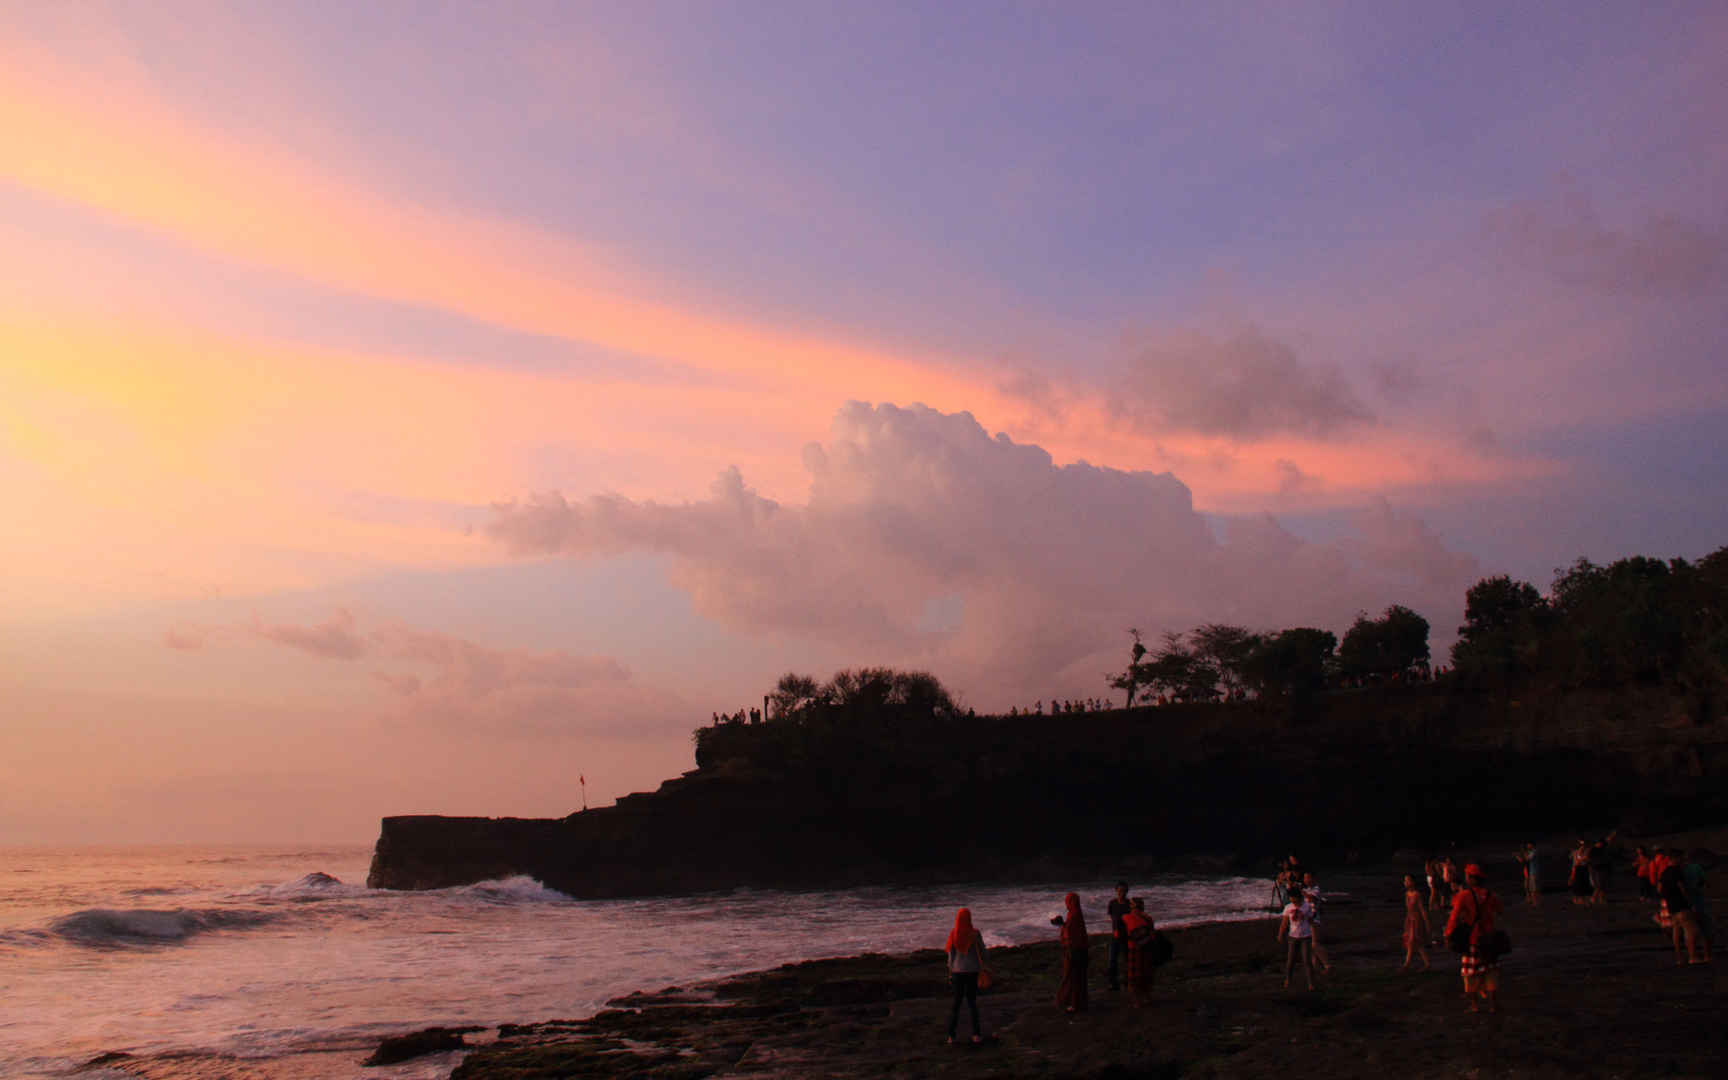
pixel 1293 662
pixel 793 693
pixel 1504 624
pixel 1226 648
pixel 1132 679
pixel 1629 621
pixel 1395 643
pixel 1178 671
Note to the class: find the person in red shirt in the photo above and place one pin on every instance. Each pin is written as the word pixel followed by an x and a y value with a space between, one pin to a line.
pixel 1477 907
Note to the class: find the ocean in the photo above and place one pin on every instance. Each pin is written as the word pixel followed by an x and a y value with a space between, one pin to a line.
pixel 277 963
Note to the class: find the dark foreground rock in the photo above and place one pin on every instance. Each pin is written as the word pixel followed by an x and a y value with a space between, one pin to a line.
pixel 434 1040
pixel 1587 992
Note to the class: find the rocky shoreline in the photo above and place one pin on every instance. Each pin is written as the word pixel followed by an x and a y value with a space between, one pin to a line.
pixel 1588 992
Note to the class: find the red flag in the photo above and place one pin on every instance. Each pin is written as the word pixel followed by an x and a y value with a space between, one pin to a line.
pixel 583 780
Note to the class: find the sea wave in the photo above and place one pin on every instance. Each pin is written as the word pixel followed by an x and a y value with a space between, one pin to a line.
pixel 314 886
pixel 520 889
pixel 135 926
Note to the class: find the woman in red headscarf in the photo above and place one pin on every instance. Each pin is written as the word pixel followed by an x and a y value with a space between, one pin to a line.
pixel 1071 995
pixel 1477 907
pixel 1139 929
pixel 965 961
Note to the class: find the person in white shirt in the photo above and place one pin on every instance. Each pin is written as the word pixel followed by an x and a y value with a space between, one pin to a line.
pixel 1298 924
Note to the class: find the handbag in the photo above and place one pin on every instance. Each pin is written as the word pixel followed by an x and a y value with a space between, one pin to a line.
pixel 1499 943
pixel 1458 940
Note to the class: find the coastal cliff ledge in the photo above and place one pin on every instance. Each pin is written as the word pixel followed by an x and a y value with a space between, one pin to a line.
pixel 845 801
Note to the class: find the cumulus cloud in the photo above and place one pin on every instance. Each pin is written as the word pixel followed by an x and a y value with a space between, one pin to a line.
pixel 333 639
pixel 1660 256
pixel 1249 387
pixel 1040 566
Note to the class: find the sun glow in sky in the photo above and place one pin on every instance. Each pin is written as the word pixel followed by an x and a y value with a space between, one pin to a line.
pixel 406 407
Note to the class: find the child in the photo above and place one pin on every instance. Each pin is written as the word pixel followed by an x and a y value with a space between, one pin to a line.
pixel 1298 922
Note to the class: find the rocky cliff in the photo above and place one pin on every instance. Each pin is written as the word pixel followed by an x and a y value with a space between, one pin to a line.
pixel 853 799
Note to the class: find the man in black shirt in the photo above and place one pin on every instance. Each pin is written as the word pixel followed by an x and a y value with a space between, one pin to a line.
pixel 1118 934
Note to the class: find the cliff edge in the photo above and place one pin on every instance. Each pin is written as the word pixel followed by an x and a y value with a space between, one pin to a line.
pixel 849 798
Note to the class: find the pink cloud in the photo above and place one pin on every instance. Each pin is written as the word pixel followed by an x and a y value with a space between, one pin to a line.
pixel 910 507
pixel 333 639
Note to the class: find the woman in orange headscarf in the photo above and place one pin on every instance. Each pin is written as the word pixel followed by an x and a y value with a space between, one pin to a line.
pixel 1071 995
pixel 965 948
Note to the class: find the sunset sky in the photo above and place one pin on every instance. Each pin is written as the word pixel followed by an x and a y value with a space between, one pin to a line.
pixel 406 407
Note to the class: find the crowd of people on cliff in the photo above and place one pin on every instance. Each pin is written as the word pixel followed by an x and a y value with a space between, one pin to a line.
pixel 1060 706
pixel 1667 877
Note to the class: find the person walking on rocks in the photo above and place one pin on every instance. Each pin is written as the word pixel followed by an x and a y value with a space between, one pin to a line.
pixel 1476 907
pixel 1118 909
pixel 1071 994
pixel 1298 924
pixel 1416 928
pixel 1532 875
pixel 1682 919
pixel 965 963
pixel 1317 900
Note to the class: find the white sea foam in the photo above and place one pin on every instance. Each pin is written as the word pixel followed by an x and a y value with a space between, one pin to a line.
pixel 519 889
pixel 116 927
pixel 277 960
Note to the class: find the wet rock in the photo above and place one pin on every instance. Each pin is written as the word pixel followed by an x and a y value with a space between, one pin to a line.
pixel 434 1040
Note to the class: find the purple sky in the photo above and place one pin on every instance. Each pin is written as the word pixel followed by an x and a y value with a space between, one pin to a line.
pixel 406 407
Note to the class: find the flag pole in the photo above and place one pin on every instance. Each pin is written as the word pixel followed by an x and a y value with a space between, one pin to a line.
pixel 583 780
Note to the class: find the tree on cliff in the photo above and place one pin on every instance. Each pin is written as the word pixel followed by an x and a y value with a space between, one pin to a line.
pixel 1132 679
pixel 1291 663
pixel 1181 672
pixel 1226 648
pixel 1394 644
pixel 793 693
pixel 855 691
pixel 1635 620
pixel 1504 624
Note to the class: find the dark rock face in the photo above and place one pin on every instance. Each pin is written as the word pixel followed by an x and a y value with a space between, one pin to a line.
pixel 893 799
pixel 435 1040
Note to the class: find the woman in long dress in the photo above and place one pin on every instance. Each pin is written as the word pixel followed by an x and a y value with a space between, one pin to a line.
pixel 1071 994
